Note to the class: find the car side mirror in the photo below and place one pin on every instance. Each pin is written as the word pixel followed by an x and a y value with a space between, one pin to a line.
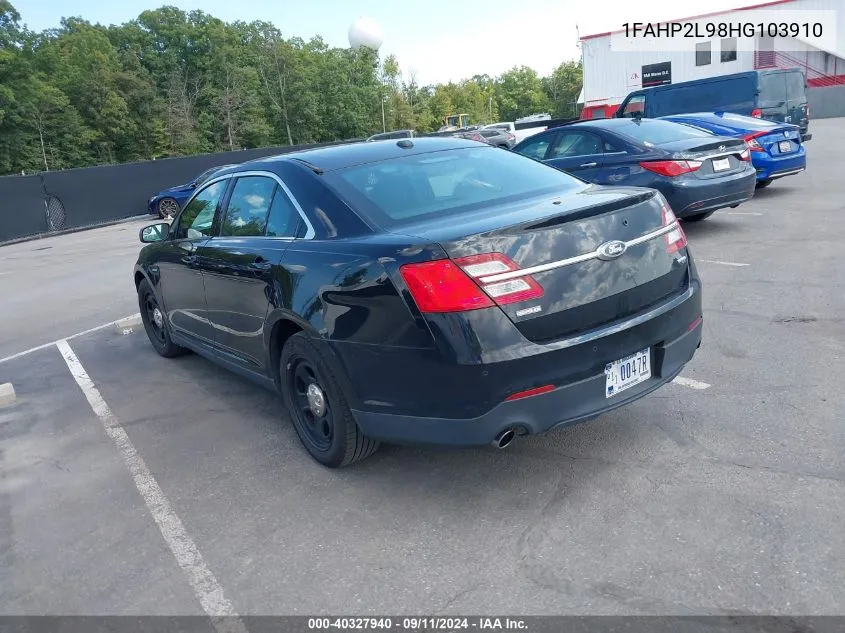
pixel 154 233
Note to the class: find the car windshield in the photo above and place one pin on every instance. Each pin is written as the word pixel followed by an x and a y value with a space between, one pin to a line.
pixel 445 183
pixel 654 132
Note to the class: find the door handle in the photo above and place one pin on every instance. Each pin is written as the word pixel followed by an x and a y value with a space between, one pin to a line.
pixel 588 165
pixel 189 260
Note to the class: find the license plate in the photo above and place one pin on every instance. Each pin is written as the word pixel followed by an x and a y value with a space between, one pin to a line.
pixel 627 372
pixel 785 146
pixel 721 164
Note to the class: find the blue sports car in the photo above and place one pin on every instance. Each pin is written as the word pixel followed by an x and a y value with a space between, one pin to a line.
pixel 166 203
pixel 776 148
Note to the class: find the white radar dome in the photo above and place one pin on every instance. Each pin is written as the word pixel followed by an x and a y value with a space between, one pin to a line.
pixel 365 32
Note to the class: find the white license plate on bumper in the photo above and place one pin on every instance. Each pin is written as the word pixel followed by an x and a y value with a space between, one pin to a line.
pixel 721 164
pixel 626 372
pixel 785 147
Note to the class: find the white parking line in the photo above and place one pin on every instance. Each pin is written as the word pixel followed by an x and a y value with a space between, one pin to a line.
pixel 71 337
pixel 202 580
pixel 689 382
pixel 721 263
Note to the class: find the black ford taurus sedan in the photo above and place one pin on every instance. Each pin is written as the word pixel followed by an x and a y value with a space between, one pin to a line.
pixel 428 290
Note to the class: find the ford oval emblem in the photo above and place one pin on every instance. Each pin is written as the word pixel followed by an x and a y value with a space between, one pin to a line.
pixel 611 250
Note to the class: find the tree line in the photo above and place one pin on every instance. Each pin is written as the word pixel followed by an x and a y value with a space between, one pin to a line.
pixel 175 83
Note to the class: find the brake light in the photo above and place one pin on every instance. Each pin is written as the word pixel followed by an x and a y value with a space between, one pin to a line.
pixel 441 286
pixel 457 286
pixel 536 391
pixel 745 154
pixel 506 291
pixel 671 168
pixel 757 113
pixel 676 239
pixel 753 144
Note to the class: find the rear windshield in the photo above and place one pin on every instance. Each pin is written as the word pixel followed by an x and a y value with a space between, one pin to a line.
pixel 655 132
pixel 445 183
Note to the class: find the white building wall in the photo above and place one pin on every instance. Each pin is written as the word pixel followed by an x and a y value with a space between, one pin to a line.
pixel 610 75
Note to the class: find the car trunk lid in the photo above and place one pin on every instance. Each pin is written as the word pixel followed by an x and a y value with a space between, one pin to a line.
pixel 563 266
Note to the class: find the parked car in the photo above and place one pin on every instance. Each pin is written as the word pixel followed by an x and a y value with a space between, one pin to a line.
pixel 384 136
pixel 521 134
pixel 498 138
pixel 695 170
pixel 778 95
pixel 166 203
pixel 776 148
pixel 435 291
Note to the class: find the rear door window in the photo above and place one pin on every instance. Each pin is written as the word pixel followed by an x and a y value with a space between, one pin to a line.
pixel 795 90
pixel 576 143
pixel 246 213
pixel 772 88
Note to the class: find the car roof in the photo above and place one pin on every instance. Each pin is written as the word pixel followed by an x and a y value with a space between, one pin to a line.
pixel 350 154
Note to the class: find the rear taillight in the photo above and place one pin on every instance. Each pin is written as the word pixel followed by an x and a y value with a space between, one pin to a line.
pixel 441 286
pixel 676 239
pixel 510 290
pixel 745 154
pixel 753 144
pixel 671 168
pixel 456 286
pixel 757 113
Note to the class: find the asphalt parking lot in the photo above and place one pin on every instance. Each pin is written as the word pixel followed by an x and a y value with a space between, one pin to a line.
pixel 173 487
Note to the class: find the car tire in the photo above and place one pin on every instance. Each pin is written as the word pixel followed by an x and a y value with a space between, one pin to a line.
pixel 318 408
pixel 762 184
pixel 167 208
pixel 156 324
pixel 698 217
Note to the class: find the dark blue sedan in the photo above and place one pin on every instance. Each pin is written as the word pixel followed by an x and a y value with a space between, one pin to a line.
pixel 776 148
pixel 696 171
pixel 166 203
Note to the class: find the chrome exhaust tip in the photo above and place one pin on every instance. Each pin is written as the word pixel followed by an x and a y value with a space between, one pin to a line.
pixel 504 438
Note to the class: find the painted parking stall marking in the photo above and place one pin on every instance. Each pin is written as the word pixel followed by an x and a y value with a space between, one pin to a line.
pixel 205 585
pixel 723 263
pixel 38 348
pixel 692 384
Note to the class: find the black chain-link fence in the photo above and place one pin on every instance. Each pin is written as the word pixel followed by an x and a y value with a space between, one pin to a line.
pixel 78 198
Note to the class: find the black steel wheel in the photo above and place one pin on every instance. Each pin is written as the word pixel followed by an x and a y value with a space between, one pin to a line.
pixel 155 323
pixel 317 406
pixel 167 208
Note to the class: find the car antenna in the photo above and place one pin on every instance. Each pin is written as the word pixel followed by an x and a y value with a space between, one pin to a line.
pixel 313 168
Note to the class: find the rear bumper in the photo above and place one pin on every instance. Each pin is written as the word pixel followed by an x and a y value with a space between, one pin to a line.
pixel 478 411
pixel 777 167
pixel 568 404
pixel 692 196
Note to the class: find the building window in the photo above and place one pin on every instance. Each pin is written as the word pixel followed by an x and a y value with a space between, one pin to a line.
pixel 702 54
pixel 729 49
